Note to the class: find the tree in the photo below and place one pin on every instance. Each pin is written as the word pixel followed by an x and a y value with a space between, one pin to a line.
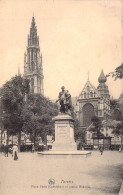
pixel 32 116
pixel 37 116
pixel 96 125
pixel 79 134
pixel 120 101
pixel 118 73
pixel 118 129
pixel 13 94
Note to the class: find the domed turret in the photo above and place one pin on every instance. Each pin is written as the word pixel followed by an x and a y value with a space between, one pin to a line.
pixel 102 78
pixel 102 87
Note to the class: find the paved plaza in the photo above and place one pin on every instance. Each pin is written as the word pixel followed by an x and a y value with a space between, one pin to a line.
pixel 34 175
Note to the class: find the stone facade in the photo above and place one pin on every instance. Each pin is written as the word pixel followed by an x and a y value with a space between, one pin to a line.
pixel 33 61
pixel 94 101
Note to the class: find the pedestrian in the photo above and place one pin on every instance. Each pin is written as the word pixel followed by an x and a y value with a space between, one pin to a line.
pixel 101 150
pixel 82 147
pixel 33 148
pixel 120 148
pixel 6 150
pixel 2 148
pixel 15 152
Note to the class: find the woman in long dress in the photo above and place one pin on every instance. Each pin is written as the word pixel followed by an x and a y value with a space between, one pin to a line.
pixel 15 152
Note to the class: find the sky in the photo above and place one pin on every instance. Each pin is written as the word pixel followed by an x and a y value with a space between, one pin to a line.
pixel 76 37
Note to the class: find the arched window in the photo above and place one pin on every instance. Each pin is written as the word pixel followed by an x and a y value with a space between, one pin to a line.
pixel 88 112
pixel 116 114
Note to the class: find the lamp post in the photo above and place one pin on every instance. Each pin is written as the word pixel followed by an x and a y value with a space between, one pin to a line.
pixel 106 124
pixel 1 113
pixel 105 117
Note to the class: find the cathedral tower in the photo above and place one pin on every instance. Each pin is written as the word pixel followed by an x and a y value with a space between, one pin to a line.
pixel 33 61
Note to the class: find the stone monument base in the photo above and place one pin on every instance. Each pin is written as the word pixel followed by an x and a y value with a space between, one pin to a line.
pixel 64 133
pixel 64 145
pixel 64 154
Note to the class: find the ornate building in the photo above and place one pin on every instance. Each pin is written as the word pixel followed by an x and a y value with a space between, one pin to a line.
pixel 33 61
pixel 94 101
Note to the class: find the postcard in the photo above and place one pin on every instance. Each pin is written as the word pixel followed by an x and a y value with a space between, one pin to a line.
pixel 61 97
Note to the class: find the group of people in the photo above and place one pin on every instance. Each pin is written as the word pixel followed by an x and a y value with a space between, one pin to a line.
pixel 64 99
pixel 101 149
pixel 14 150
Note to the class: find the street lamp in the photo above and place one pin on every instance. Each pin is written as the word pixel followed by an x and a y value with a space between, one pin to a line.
pixel 1 116
pixel 105 117
pixel 2 112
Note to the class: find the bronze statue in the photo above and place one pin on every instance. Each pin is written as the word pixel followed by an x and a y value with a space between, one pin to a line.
pixel 64 99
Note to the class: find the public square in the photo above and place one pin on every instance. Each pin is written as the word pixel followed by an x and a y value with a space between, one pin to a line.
pixel 32 174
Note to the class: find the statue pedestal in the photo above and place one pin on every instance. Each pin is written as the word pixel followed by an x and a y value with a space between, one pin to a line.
pixel 64 145
pixel 64 133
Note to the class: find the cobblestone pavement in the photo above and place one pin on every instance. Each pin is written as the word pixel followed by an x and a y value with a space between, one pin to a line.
pixel 33 175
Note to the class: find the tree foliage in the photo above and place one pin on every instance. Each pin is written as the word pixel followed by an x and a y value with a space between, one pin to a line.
pixel 33 116
pixel 37 116
pixel 79 133
pixel 13 93
pixel 96 126
pixel 118 73
pixel 118 129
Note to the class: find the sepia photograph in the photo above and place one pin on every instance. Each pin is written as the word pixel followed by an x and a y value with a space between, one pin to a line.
pixel 61 97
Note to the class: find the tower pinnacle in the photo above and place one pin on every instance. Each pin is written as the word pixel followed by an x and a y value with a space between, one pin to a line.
pixel 88 75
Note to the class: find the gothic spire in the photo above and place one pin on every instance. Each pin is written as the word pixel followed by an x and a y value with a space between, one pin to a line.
pixel 33 39
pixel 88 75
pixel 33 22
